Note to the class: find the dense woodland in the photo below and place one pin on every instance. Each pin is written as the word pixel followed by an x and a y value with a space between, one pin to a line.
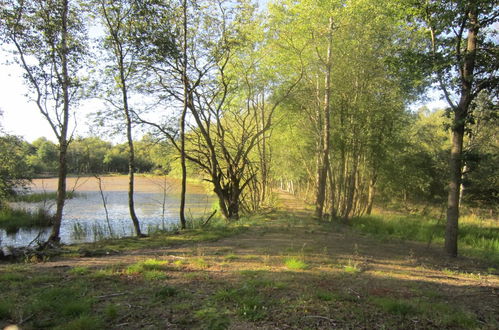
pixel 313 97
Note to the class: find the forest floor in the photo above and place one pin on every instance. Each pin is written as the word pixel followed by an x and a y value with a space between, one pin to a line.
pixel 281 270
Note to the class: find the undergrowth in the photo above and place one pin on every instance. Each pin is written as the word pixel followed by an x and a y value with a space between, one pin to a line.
pixel 12 220
pixel 477 237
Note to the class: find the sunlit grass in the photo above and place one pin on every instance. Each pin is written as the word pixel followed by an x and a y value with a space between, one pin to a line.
pixel 295 264
pixel 477 237
pixel 149 267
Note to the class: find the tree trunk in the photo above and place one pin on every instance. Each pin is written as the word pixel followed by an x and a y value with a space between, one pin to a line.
pixel 322 177
pixel 460 115
pixel 61 192
pixel 451 231
pixel 182 120
pixel 63 137
pixel 131 153
pixel 370 195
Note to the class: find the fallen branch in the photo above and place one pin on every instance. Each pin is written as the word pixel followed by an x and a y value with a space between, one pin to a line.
pixel 112 295
pixel 209 218
pixel 320 317
pixel 26 319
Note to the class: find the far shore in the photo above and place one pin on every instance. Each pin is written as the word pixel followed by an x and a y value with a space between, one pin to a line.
pixel 143 183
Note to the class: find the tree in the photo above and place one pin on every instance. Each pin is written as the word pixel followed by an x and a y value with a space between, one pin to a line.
pixel 120 19
pixel 48 38
pixel 465 62
pixel 15 172
pixel 223 129
pixel 351 98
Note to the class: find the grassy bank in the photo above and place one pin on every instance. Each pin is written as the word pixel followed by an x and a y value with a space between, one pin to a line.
pixel 477 237
pixel 13 220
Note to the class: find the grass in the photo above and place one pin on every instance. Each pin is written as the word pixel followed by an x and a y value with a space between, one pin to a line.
pixel 12 220
pixel 159 239
pixel 41 197
pixel 295 264
pixel 477 237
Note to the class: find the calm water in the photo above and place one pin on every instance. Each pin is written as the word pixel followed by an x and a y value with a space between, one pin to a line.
pixel 84 218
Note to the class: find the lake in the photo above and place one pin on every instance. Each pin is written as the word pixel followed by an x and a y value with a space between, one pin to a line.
pixel 84 217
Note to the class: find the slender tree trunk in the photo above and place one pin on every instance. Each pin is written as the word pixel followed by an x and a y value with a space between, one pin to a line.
pixel 182 119
pixel 460 114
pixel 131 152
pixel 451 231
pixel 322 178
pixel 370 195
pixel 63 143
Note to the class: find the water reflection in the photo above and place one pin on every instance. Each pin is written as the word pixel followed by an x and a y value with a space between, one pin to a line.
pixel 84 218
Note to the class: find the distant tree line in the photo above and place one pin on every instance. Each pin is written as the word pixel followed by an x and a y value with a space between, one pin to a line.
pixel 86 156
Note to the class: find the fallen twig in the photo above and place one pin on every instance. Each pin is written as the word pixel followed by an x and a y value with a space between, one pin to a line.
pixel 320 317
pixel 209 218
pixel 111 295
pixel 26 319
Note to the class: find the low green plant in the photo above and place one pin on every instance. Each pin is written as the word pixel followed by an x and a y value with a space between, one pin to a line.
pixel 326 296
pixel 154 275
pixel 351 267
pixel 477 237
pixel 12 220
pixel 146 265
pixel 79 270
pixel 166 292
pixel 230 257
pixel 212 318
pixel 83 322
pixel 200 262
pixel 395 306
pixel 61 302
pixel 111 311
pixel 5 309
pixel 295 264
pixel 250 302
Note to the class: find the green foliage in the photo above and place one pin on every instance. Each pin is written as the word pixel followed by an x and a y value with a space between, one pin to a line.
pixel 150 268
pixel 14 169
pixel 166 292
pixel 212 318
pixel 5 309
pixel 476 237
pixel 62 302
pixel 83 322
pixel 326 296
pixel 395 306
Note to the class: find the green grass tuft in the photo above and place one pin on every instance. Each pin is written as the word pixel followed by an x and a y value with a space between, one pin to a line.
pixel 395 306
pixel 166 292
pixel 295 264
pixel 83 322
pixel 212 318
